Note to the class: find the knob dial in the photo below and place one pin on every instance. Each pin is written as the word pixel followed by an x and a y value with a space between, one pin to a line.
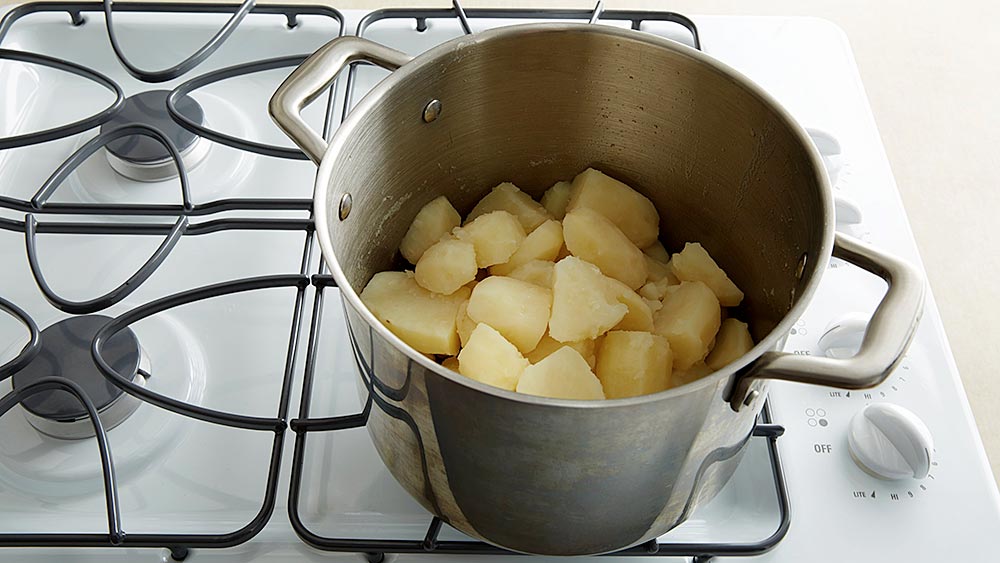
pixel 890 442
pixel 842 337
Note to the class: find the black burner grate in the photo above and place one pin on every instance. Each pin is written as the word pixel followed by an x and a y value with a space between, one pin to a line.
pixel 303 280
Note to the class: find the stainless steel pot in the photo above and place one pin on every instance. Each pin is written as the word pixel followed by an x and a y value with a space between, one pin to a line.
pixel 533 104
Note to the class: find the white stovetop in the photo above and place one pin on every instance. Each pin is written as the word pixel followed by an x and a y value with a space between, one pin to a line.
pixel 958 512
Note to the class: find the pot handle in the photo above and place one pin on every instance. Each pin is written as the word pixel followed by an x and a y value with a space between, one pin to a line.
pixel 315 75
pixel 889 332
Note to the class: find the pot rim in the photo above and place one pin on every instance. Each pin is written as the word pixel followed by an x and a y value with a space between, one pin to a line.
pixel 346 129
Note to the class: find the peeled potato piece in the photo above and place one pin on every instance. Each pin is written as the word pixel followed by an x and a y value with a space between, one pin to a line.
pixel 657 252
pixel 556 198
pixel 451 362
pixel 423 319
pixel 446 266
pixel 631 211
pixel 639 315
pixel 656 290
pixel 433 221
pixel 537 272
pixel 582 306
pixel 547 345
pixel 564 374
pixel 463 323
pixel 592 237
pixel 507 197
pixel 495 237
pixel 694 264
pixel 542 244
pixel 656 271
pixel 732 341
pixel 633 363
pixel 682 377
pixel 490 358
pixel 689 319
pixel 516 309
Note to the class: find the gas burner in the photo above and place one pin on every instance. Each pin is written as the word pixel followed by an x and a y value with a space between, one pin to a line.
pixel 145 159
pixel 65 352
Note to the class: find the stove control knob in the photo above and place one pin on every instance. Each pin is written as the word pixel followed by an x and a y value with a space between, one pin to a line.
pixel 842 337
pixel 847 211
pixel 890 442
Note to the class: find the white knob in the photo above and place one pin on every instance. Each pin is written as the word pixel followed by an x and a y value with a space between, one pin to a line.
pixel 890 442
pixel 847 211
pixel 842 337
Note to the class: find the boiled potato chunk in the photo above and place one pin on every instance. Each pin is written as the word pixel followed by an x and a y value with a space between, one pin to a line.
pixel 634 363
pixel 423 319
pixel 556 198
pixel 495 237
pixel 542 244
pixel 446 266
pixel 656 271
pixel 516 309
pixel 694 264
pixel 490 358
pixel 689 319
pixel 537 272
pixel 656 290
pixel 631 211
pixel 693 373
pixel 639 315
pixel 507 197
pixel 463 323
pixel 564 374
pixel 547 345
pixel 657 252
pixel 433 221
pixel 592 237
pixel 653 304
pixel 451 362
pixel 582 306
pixel 733 341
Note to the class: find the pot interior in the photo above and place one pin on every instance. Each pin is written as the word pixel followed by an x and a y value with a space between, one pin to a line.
pixel 538 104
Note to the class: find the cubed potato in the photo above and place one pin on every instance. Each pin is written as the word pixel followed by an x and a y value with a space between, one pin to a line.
pixel 556 198
pixel 451 362
pixel 495 237
pixel 542 244
pixel 463 323
pixel 547 345
pixel 653 304
pixel 656 290
pixel 434 220
pixel 656 271
pixel 657 252
pixel 516 309
pixel 689 319
pixel 682 377
pixel 507 197
pixel 537 272
pixel 592 237
pixel 446 266
pixel 421 318
pixel 631 211
pixel 639 316
pixel 564 374
pixel 490 358
pixel 694 264
pixel 582 306
pixel 634 363
pixel 732 341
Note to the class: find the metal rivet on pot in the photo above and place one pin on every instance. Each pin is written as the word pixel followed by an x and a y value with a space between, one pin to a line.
pixel 432 110
pixel 751 397
pixel 346 202
pixel 801 268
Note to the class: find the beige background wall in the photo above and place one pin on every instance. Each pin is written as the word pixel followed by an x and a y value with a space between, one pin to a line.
pixel 932 75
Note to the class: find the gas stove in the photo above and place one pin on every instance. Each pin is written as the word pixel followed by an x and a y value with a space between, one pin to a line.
pixel 150 211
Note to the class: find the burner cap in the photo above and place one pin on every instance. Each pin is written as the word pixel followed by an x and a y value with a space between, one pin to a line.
pixel 65 352
pixel 150 108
